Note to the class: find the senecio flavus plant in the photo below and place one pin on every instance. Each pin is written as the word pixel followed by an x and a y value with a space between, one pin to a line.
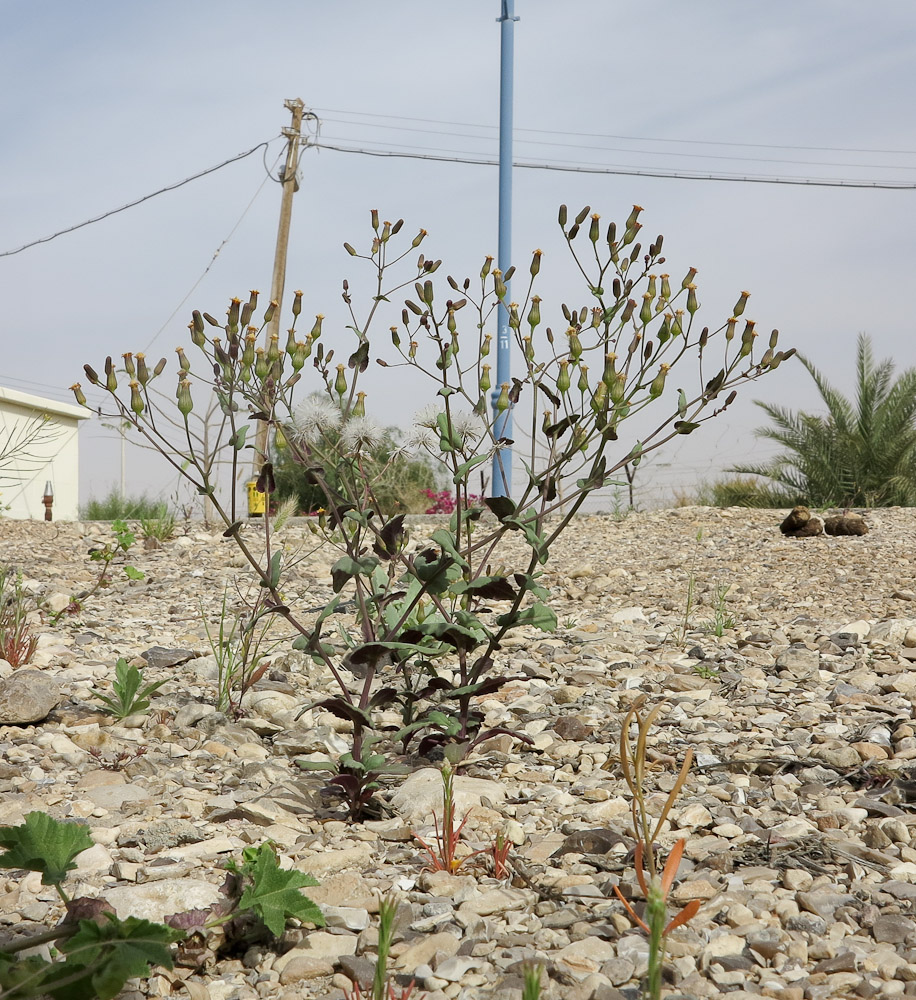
pixel 419 607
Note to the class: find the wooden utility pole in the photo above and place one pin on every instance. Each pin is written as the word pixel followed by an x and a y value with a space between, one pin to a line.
pixel 293 136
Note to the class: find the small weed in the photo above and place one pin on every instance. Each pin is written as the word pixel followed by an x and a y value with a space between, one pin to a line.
pixel 115 507
pixel 499 855
pixel 722 619
pixel 17 644
pixel 570 622
pixel 382 986
pixel 443 857
pixel 129 694
pixel 655 884
pixel 118 761
pixel 124 538
pixel 159 526
pixel 705 671
pixel 531 981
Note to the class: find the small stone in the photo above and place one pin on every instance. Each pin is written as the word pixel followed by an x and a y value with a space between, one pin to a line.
pixel 158 657
pixel 299 967
pixel 425 950
pixel 799 661
pixel 27 696
pixel 870 751
pixel 419 797
pixel 892 927
pixel 170 833
pixel 571 727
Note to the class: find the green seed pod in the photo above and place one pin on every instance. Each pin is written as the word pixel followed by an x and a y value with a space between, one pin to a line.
pixel 396 228
pixel 664 331
pixel 273 348
pixel 270 311
pixel 395 336
pixel 111 383
pixel 251 340
pixel 316 329
pixel 528 349
pixel 290 340
pixel 91 374
pixel 774 339
pixel 546 422
pixel 575 345
pixel 704 338
pixel 730 328
pixel 599 398
pixel 611 234
pixel 499 286
pixel 688 277
pixel 573 231
pixel 450 323
pixel 658 383
pixel 235 306
pixel 160 368
pixel 633 217
pixel 412 352
pixel 197 322
pixel 340 383
pixel 634 344
pixel 418 239
pixel 428 292
pixel 741 303
pixel 514 321
pixel 300 352
pixel 650 288
pixel 374 219
pixel 536 262
pixel 628 311
pixel 502 402
pixel 261 367
pixel 549 333
pixel 767 358
pixel 77 391
pixel 594 230
pixel 183 394
pixel 583 215
pixel 610 369
pixel 747 339
pixel 183 362
pixel 618 388
pixel 485 345
pixel 245 318
pixel 484 383
pixel 645 314
pixel 579 438
pixel 136 400
pixel 359 407
pixel 563 381
pixel 561 216
pixel 350 250
pixel 534 313
pixel 629 236
pixel 197 336
pixel 665 293
pixel 129 364
pixel 582 384
pixel 692 304
pixel 676 327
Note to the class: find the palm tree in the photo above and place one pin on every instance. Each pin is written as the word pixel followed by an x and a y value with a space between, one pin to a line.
pixel 861 453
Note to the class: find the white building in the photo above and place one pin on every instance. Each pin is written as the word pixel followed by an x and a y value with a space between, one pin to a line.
pixel 38 445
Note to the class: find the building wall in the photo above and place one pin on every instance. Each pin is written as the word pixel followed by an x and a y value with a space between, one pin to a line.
pixel 39 443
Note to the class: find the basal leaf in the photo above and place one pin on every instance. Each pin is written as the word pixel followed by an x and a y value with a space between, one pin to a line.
pixel 274 894
pixel 43 844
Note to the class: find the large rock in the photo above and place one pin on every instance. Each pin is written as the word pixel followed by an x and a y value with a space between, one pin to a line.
pixel 27 696
pixel 801 523
pixel 419 798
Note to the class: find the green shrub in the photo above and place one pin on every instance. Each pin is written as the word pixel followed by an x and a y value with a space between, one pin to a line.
pixel 860 453
pixel 741 491
pixel 114 507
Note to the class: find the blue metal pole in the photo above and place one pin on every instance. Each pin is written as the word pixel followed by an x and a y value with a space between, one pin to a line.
pixel 502 422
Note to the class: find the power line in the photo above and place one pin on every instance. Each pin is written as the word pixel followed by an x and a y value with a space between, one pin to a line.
pixel 268 177
pixel 139 201
pixel 629 172
pixel 631 138
pixel 640 152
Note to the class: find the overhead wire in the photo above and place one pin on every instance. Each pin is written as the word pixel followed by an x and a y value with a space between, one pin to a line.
pixel 137 201
pixel 626 171
pixel 629 138
pixel 640 152
pixel 268 177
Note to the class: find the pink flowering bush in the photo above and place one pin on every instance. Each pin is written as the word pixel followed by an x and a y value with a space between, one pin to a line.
pixel 443 502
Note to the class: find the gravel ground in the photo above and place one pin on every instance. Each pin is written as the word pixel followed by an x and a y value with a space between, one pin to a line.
pixel 797 812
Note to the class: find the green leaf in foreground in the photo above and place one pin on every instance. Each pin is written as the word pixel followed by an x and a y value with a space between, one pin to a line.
pixel 109 955
pixel 274 893
pixel 43 844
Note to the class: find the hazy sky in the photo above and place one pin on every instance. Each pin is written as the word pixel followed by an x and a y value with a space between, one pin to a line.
pixel 106 102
